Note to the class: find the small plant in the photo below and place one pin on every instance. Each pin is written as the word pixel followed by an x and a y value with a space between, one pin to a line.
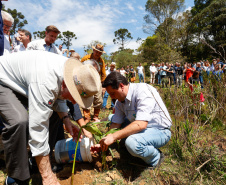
pixel 98 135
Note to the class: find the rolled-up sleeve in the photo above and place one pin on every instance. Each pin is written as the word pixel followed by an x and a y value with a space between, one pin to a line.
pixel 60 106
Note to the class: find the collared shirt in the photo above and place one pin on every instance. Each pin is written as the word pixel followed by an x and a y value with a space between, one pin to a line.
pixel 37 75
pixel 41 45
pixel 19 48
pixel 6 45
pixel 140 69
pixel 143 103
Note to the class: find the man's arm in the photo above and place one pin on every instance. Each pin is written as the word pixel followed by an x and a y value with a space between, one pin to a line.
pixel 70 127
pixel 48 177
pixel 132 128
pixel 81 122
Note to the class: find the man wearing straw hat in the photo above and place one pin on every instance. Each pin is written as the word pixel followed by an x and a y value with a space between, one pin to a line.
pixel 42 81
pixel 98 50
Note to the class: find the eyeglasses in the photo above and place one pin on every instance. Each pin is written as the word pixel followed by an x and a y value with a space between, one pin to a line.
pixel 7 26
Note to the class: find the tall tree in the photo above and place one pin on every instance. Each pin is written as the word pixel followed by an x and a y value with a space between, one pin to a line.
pixel 209 24
pixel 122 38
pixel 153 49
pixel 19 20
pixel 67 37
pixel 123 58
pixel 39 34
pixel 161 12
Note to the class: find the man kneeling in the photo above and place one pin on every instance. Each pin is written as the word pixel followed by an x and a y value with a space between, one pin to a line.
pixel 149 121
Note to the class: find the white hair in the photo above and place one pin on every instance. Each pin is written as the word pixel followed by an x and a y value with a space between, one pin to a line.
pixel 93 63
pixel 7 17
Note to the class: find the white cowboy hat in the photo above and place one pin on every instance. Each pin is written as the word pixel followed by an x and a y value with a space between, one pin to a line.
pixel 82 81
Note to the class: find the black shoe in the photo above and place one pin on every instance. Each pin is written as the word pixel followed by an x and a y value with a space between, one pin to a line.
pixel 11 181
pixel 57 168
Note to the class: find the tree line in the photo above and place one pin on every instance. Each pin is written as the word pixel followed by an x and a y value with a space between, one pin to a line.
pixel 174 35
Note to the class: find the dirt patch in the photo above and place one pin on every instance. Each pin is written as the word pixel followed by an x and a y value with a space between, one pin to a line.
pixel 82 177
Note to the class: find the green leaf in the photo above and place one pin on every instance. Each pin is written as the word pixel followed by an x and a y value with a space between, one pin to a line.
pixel 93 129
pixel 113 130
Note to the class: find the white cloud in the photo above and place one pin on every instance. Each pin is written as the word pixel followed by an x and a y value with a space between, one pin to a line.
pixel 141 8
pixel 132 21
pixel 129 6
pixel 89 20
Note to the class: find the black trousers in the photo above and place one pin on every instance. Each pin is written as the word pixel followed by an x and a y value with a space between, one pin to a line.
pixel 13 109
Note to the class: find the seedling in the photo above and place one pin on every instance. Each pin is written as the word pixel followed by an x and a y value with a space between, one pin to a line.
pixel 98 135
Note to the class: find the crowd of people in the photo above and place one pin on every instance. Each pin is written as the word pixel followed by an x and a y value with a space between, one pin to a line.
pixel 167 74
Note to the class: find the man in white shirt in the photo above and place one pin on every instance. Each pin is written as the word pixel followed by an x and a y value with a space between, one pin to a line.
pixel 140 71
pixel 46 44
pixel 153 71
pixel 25 37
pixel 62 51
pixel 7 25
pixel 149 120
pixel 43 81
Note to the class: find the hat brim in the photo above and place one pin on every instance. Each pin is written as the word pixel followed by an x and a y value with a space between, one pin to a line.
pixel 98 49
pixel 72 50
pixel 72 66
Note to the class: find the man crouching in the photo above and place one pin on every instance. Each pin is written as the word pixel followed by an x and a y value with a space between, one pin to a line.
pixel 142 116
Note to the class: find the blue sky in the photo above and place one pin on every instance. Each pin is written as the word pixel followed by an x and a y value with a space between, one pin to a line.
pixel 88 19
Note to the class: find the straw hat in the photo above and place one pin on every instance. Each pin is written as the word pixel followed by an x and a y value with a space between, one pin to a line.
pixel 113 64
pixel 82 81
pixel 99 48
pixel 72 50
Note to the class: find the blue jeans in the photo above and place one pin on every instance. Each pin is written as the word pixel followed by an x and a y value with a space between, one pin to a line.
pixel 145 144
pixel 141 76
pixel 201 81
pixel 106 99
pixel 159 79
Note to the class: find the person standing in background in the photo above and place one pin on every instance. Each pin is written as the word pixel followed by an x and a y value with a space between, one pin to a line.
pixel 153 71
pixel 7 25
pixel 25 37
pixel 46 44
pixel 140 71
pixel 98 50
